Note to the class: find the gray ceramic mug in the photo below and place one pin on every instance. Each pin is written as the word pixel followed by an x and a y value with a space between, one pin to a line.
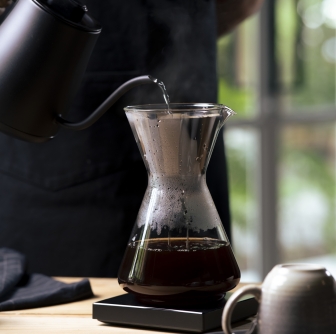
pixel 293 299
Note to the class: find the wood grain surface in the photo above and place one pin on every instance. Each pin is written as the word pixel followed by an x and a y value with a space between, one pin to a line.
pixel 73 317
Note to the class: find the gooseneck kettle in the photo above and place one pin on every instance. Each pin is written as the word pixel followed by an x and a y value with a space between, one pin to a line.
pixel 45 46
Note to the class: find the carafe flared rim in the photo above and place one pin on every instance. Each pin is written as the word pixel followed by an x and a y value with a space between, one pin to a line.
pixel 205 108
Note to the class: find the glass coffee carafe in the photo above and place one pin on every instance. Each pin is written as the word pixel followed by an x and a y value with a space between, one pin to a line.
pixel 178 253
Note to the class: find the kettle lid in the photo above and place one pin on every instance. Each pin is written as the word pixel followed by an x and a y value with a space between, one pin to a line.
pixel 72 12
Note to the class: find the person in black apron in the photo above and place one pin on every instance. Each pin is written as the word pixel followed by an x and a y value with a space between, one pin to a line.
pixel 70 204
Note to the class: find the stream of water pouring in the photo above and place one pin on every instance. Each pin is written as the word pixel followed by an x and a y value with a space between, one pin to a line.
pixel 164 92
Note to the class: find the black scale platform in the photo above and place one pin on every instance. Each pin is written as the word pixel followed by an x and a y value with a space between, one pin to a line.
pixel 125 310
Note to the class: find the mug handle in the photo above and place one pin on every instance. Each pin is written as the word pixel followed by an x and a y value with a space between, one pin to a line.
pixel 251 289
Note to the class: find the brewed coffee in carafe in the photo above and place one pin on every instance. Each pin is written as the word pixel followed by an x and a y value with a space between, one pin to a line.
pixel 178 253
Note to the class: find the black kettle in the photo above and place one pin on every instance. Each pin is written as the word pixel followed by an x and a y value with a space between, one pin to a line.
pixel 45 46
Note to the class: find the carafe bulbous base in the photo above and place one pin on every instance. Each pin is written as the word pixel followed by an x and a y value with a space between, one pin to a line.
pixel 178 253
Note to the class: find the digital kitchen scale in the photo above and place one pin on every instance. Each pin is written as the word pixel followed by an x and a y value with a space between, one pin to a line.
pixel 125 310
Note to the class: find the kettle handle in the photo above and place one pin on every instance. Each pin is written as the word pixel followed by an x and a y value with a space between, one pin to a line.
pixel 100 111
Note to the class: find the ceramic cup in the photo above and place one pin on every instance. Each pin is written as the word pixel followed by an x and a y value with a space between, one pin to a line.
pixel 293 299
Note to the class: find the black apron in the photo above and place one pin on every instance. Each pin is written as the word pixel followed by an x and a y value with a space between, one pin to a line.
pixel 70 204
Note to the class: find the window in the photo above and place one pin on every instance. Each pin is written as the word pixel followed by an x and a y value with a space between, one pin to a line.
pixel 277 71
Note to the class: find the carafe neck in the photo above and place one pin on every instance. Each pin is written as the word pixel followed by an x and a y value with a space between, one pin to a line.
pixel 180 183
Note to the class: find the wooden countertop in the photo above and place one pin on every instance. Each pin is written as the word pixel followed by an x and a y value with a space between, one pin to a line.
pixel 71 317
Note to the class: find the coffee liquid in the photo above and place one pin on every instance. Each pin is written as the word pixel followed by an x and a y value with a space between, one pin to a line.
pixel 179 271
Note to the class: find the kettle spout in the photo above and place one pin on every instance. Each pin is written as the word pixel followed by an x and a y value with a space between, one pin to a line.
pixel 107 104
